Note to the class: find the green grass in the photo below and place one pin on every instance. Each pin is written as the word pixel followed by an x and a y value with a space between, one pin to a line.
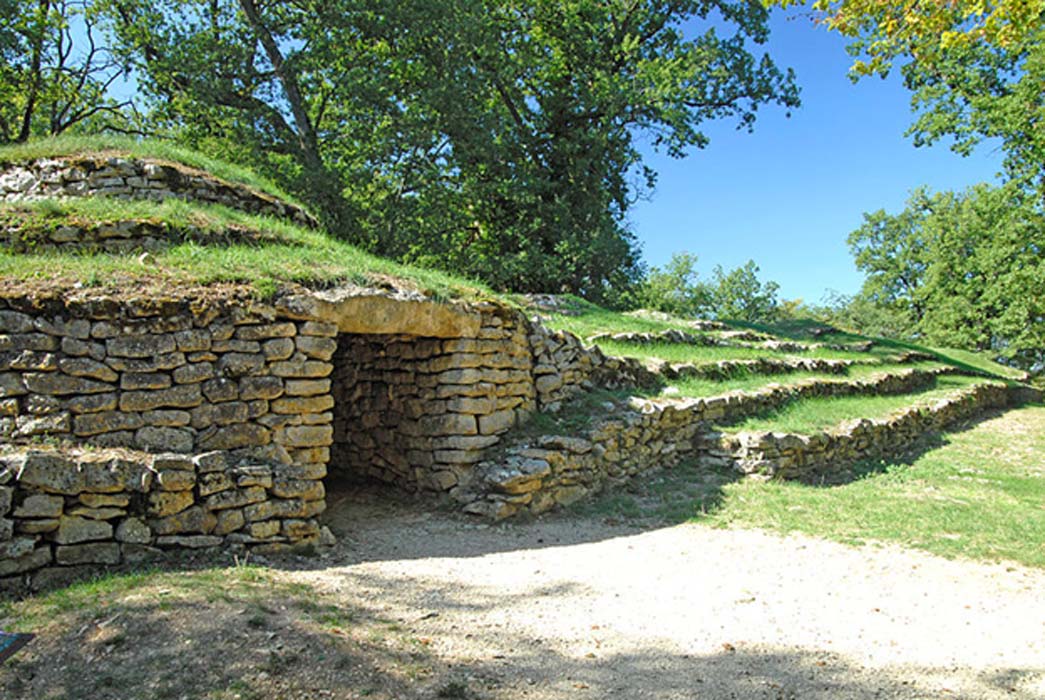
pixel 282 252
pixel 813 415
pixel 978 495
pixel 67 146
pixel 695 387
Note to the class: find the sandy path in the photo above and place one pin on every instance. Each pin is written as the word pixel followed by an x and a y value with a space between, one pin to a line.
pixel 577 608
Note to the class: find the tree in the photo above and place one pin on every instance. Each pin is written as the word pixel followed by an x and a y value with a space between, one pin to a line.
pixel 739 295
pixel 891 251
pixel 51 82
pixel 675 289
pixel 975 69
pixel 978 271
pixel 495 138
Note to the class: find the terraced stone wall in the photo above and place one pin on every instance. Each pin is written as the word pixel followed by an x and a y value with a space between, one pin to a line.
pixel 131 178
pixel 641 434
pixel 830 453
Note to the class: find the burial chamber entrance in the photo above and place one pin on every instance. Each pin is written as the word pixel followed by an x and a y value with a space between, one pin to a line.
pixel 422 390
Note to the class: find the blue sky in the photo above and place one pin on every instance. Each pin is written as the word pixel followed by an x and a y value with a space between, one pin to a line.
pixel 788 194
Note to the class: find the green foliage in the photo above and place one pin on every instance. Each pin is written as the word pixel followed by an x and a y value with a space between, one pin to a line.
pixel 675 289
pixel 493 138
pixel 739 294
pixel 967 269
pixel 53 80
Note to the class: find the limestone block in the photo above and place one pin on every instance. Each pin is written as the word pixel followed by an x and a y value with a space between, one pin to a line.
pixel 96 513
pixel 35 559
pixel 104 500
pixel 8 407
pixel 156 363
pixel 167 418
pixel 27 426
pixel 303 404
pixel 172 461
pixel 189 542
pixel 235 436
pixel 229 521
pixel 307 387
pixel 193 520
pixel 164 503
pixel 235 498
pixel 260 388
pixel 195 340
pixel 239 364
pixel 105 422
pixel 61 384
pixel 257 475
pixel 72 530
pixel 317 328
pixel 28 341
pixel 450 424
pixel 277 349
pixel 219 414
pixel 208 462
pixel 39 505
pixel 6 498
pixel 11 384
pixel 14 321
pixel 496 422
pixel 265 331
pixel 307 369
pixel 194 373
pixel 221 389
pixel 175 479
pixel 304 489
pixel 293 508
pixel 40 405
pixel 134 531
pixel 214 483
pixel 86 367
pixel 135 346
pixel 181 396
pixel 296 529
pixel 306 436
pixel 264 529
pixel 29 360
pixel 93 403
pixel 316 347
pixel 94 553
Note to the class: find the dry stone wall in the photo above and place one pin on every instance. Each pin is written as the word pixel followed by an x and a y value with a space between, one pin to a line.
pixel 420 411
pixel 536 475
pixel 117 237
pixel 132 178
pixel 829 454
pixel 64 511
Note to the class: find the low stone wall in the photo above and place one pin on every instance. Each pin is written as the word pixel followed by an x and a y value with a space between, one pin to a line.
pixel 724 369
pixel 117 238
pixel 829 454
pixel 132 178
pixel 536 475
pixel 564 367
pixel 61 511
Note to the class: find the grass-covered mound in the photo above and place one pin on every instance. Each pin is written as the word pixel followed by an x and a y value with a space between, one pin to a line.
pixel 209 244
pixel 151 149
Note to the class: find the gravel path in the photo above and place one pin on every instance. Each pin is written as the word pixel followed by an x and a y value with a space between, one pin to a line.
pixel 578 608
